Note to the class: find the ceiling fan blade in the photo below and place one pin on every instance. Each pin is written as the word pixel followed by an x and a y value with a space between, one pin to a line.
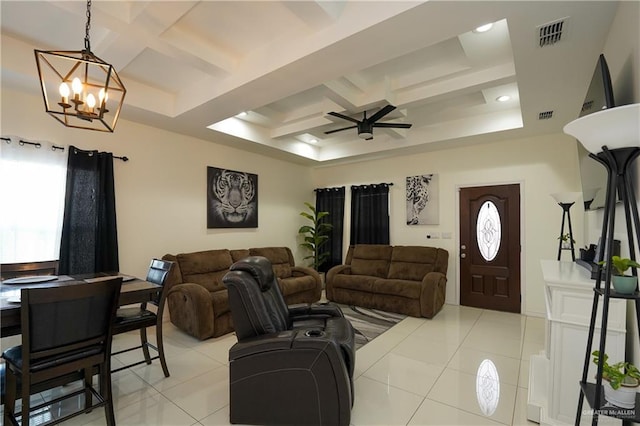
pixel 369 139
pixel 344 117
pixel 339 130
pixel 393 125
pixel 384 111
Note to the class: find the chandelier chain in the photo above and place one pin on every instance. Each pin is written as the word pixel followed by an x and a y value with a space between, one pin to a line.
pixel 87 43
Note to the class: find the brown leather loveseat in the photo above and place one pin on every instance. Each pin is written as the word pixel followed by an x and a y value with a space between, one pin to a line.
pixel 198 300
pixel 409 280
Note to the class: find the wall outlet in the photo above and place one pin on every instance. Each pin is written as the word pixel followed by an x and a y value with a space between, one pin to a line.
pixel 433 235
pixel 447 235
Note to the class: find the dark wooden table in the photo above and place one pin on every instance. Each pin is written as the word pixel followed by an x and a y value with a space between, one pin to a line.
pixel 133 291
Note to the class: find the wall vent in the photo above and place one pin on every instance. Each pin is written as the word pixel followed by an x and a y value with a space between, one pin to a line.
pixel 551 33
pixel 587 106
pixel 545 115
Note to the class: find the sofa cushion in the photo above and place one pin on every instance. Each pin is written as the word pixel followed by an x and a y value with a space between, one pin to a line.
pixel 354 282
pixel 205 268
pixel 294 285
pixel 280 257
pixel 372 260
pixel 412 263
pixel 404 288
pixel 239 254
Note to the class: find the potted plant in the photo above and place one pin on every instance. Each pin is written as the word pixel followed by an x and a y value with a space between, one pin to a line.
pixel 315 235
pixel 625 284
pixel 565 240
pixel 620 381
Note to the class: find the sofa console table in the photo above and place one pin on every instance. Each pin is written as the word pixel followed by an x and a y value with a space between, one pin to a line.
pixel 555 373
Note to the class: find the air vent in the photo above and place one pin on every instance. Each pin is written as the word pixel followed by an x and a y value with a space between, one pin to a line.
pixel 545 115
pixel 551 33
pixel 587 106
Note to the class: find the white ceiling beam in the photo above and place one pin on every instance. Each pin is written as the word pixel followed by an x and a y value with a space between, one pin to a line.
pixel 316 14
pixel 500 74
pixel 195 47
pixel 301 126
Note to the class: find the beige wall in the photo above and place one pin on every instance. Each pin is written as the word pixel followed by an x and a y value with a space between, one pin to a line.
pixel 160 192
pixel 540 165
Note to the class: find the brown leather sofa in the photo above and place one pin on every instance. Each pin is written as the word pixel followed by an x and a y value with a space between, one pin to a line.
pixel 410 280
pixel 198 301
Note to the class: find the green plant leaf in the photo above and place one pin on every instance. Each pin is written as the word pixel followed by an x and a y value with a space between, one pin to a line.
pixel 308 216
pixel 617 373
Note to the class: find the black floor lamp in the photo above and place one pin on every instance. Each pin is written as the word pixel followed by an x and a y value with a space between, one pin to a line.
pixel 613 138
pixel 566 200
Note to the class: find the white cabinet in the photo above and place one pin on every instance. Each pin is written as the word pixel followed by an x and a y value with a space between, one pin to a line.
pixel 555 374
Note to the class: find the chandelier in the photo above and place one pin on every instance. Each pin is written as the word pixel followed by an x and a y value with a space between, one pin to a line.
pixel 79 89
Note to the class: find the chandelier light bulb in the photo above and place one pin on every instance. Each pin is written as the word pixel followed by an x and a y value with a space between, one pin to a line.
pixel 103 96
pixel 64 90
pixel 91 101
pixel 76 85
pixel 64 93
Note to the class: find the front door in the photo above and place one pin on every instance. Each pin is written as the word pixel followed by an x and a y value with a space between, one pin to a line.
pixel 490 247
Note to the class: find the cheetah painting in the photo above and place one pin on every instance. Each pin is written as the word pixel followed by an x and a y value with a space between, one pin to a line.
pixel 422 200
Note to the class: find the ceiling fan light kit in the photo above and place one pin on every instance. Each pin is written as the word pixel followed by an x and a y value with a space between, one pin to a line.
pixel 79 89
pixel 366 125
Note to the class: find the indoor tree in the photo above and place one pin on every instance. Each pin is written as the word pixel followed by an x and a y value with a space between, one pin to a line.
pixel 315 235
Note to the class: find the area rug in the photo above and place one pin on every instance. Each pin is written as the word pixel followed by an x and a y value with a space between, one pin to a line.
pixel 369 323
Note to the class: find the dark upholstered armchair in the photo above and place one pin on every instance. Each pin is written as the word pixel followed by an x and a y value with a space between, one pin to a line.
pixel 292 364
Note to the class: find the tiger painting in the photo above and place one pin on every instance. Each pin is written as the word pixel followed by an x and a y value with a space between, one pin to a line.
pixel 233 199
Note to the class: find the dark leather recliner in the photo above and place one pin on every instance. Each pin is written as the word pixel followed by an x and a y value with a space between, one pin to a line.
pixel 292 364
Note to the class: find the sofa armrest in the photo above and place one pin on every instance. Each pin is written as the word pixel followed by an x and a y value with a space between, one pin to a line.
pixel 434 290
pixel 301 271
pixel 191 309
pixel 331 274
pixel 304 310
pixel 339 269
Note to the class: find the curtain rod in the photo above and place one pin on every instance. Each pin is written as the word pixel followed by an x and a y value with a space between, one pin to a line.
pixel 336 188
pixel 53 147
pixel 372 184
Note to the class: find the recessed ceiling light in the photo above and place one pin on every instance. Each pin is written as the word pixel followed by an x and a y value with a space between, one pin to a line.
pixel 242 114
pixel 503 98
pixel 483 28
pixel 313 140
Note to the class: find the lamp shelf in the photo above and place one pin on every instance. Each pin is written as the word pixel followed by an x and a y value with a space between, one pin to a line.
pixel 626 414
pixel 615 295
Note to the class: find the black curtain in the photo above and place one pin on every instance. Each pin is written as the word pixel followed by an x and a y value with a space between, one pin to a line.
pixel 331 200
pixel 370 214
pixel 89 233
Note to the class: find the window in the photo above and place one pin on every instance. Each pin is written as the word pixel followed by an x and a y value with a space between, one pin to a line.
pixel 32 187
pixel 488 231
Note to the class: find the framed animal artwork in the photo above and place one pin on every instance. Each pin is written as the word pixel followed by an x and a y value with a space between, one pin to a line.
pixel 232 199
pixel 423 200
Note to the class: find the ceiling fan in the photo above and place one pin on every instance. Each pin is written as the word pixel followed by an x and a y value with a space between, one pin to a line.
pixel 366 125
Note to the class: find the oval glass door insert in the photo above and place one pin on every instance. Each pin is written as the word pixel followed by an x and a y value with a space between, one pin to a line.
pixel 488 231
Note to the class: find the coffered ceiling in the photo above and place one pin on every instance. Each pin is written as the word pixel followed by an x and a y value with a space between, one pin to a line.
pixel 192 66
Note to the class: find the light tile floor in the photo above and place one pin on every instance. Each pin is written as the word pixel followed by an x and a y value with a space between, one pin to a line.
pixel 420 372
